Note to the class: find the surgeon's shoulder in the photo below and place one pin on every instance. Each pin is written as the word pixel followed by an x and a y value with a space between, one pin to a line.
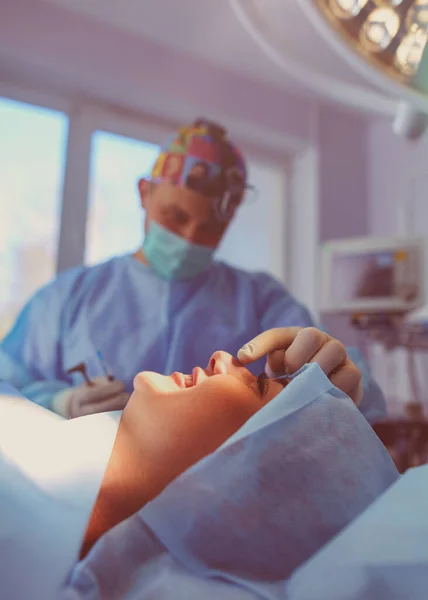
pixel 258 285
pixel 272 300
pixel 71 282
pixel 249 277
pixel 258 281
pixel 64 282
pixel 270 292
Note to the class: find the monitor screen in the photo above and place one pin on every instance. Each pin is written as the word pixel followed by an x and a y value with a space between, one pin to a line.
pixel 375 275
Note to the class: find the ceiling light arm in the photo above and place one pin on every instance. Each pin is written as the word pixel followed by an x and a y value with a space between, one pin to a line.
pixel 329 87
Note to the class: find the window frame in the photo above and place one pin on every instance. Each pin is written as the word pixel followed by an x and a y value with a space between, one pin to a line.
pixel 85 120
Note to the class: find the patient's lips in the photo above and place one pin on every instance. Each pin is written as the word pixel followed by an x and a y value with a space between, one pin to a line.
pixel 221 363
pixel 198 375
pixel 179 379
pixel 187 381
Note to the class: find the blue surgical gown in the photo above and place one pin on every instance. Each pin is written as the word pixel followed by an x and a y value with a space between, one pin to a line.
pixel 141 322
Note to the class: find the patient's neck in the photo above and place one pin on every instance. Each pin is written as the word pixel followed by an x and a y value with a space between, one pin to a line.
pixel 126 487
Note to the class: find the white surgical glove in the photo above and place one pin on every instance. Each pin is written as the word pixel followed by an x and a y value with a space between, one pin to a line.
pixel 103 396
pixel 289 348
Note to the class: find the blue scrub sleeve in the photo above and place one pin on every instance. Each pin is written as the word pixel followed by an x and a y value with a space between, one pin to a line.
pixel 278 308
pixel 30 353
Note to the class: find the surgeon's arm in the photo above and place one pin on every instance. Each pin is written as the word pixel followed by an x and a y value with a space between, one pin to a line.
pixel 30 353
pixel 277 308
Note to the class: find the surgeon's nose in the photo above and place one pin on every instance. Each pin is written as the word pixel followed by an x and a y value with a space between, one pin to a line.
pixel 221 363
pixel 190 232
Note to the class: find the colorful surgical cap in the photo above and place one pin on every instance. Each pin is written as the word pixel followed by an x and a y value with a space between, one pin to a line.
pixel 201 158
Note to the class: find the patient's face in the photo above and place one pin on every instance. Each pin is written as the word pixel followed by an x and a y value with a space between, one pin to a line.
pixel 184 417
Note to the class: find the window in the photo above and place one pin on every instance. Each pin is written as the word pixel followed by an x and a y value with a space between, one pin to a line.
pixel 255 240
pixel 115 218
pixel 32 159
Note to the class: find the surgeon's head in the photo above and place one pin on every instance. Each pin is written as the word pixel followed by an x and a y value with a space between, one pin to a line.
pixel 182 418
pixel 196 185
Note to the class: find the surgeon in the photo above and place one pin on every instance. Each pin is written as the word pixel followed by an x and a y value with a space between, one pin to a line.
pixel 79 342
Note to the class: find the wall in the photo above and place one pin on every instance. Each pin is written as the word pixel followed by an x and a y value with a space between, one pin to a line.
pixel 343 190
pixel 92 58
pixel 396 166
pixel 87 59
pixel 398 205
pixel 254 243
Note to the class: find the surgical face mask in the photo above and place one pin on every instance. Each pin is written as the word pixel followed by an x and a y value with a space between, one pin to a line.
pixel 173 257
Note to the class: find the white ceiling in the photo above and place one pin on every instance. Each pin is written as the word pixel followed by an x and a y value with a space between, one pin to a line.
pixel 210 30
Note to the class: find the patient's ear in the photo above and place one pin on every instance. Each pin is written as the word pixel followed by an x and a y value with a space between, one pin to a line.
pixel 144 189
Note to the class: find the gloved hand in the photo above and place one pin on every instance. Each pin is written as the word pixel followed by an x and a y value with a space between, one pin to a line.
pixel 103 396
pixel 289 348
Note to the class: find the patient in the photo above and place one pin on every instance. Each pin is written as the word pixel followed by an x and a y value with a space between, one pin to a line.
pixel 172 422
pixel 169 424
pixel 219 482
pixel 226 477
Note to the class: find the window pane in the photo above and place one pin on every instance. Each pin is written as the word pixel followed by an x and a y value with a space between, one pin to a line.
pixel 32 157
pixel 255 240
pixel 115 218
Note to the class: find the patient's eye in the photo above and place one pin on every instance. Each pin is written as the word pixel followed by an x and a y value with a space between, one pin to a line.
pixel 262 383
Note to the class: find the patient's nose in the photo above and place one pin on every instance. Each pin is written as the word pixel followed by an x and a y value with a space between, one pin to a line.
pixel 222 363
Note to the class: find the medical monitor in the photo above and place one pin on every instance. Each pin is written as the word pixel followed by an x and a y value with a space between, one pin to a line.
pixel 372 275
